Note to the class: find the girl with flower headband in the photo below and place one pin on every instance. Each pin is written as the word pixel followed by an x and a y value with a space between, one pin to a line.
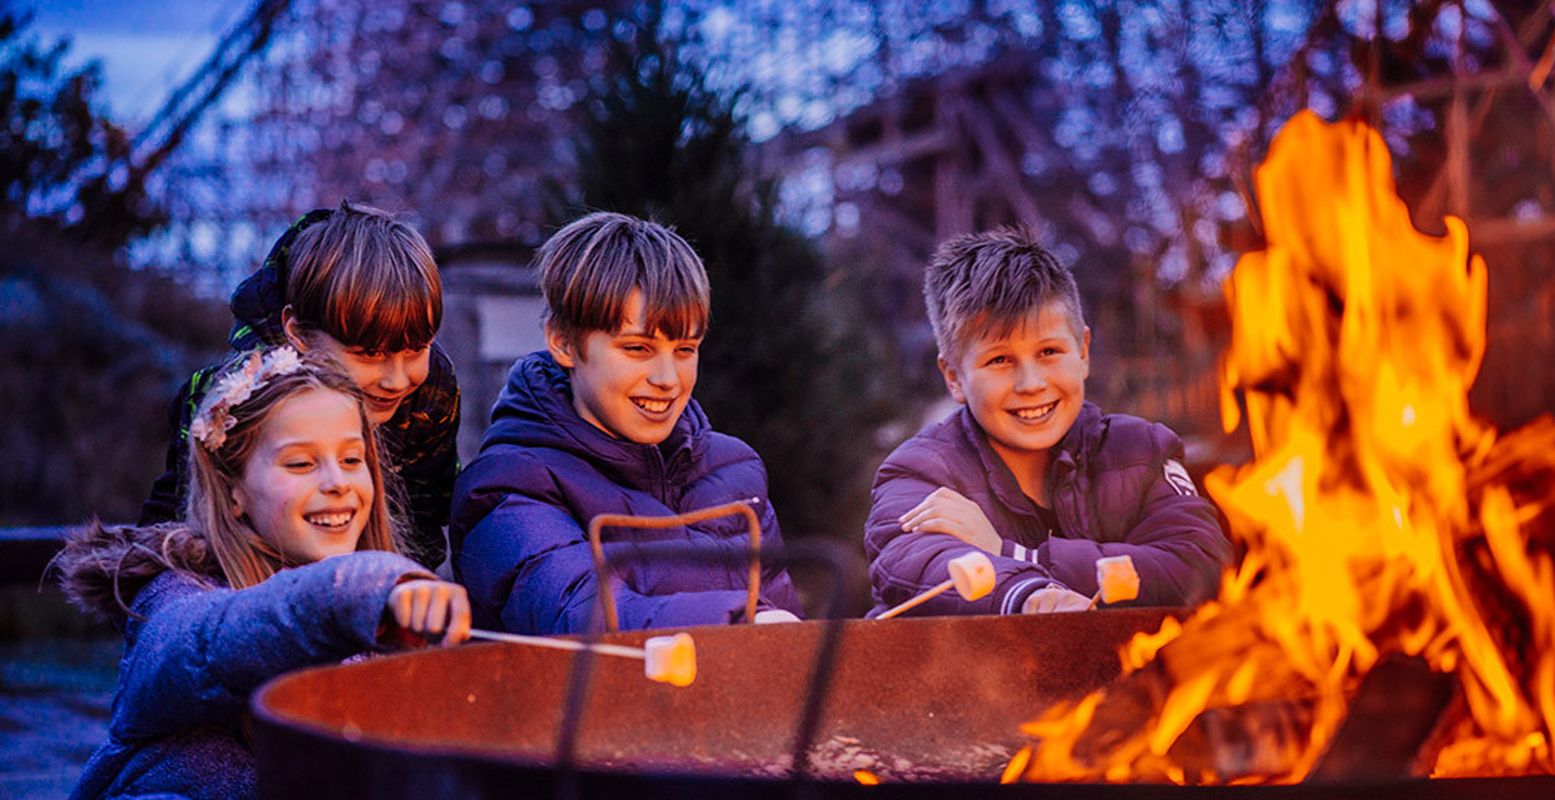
pixel 360 287
pixel 288 558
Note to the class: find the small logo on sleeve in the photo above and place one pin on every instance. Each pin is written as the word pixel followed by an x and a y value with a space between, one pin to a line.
pixel 1177 476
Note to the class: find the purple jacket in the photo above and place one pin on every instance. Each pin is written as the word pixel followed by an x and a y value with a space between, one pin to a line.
pixel 1117 486
pixel 521 509
pixel 196 652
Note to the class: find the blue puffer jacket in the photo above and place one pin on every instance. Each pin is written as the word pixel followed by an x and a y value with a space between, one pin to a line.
pixel 521 509
pixel 193 654
pixel 1117 485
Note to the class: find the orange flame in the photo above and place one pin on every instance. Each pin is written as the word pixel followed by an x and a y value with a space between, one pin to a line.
pixel 1356 339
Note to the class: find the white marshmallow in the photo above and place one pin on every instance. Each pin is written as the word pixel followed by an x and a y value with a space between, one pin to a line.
pixel 670 659
pixel 1117 579
pixel 972 575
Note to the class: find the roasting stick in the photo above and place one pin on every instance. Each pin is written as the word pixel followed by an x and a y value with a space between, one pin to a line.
pixel 666 659
pixel 1116 580
pixel 971 575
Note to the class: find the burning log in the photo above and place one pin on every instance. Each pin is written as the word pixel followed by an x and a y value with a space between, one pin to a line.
pixel 1398 708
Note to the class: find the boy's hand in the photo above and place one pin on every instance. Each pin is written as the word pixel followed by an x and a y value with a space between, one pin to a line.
pixel 1054 598
pixel 436 611
pixel 946 511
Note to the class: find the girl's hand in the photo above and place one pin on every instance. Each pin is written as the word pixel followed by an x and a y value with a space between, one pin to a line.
pixel 436 611
pixel 946 511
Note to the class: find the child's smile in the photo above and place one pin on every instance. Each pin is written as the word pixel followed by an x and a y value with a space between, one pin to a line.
pixel 1036 414
pixel 334 521
pixel 654 406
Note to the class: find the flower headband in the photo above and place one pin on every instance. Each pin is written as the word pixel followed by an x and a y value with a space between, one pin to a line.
pixel 215 418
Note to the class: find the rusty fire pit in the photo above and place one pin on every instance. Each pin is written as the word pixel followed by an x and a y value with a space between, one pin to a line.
pixel 930 706
pixel 932 698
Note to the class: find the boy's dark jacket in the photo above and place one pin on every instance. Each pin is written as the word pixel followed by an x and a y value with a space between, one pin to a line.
pixel 521 507
pixel 194 651
pixel 1115 482
pixel 420 440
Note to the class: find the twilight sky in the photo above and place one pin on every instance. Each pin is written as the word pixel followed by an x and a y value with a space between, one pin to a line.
pixel 146 46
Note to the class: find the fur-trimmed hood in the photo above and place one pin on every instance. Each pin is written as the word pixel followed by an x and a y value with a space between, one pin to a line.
pixel 102 568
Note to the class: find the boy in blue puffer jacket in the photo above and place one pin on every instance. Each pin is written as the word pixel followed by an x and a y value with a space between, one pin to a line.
pixel 1027 470
pixel 603 422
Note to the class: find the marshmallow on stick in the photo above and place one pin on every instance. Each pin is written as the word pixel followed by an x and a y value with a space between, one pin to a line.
pixel 1116 580
pixel 666 659
pixel 971 575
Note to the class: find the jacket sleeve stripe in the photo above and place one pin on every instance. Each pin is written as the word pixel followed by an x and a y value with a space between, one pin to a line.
pixel 1016 596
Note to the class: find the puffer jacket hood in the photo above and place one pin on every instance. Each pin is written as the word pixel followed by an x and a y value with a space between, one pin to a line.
pixel 103 567
pixel 257 302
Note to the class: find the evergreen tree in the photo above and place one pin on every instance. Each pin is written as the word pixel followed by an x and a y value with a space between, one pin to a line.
pixel 788 365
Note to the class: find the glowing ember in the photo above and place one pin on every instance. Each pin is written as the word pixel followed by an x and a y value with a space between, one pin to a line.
pixel 1378 516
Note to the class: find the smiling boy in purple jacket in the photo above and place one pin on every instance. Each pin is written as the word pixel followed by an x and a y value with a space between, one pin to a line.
pixel 602 421
pixel 1027 470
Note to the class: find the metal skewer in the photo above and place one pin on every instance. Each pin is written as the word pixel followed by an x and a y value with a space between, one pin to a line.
pixel 666 659
pixel 560 644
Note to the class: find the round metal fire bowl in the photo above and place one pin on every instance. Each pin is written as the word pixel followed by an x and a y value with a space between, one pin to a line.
pixel 932 706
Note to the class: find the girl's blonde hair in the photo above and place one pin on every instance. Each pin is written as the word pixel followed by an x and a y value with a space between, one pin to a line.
pixel 244 557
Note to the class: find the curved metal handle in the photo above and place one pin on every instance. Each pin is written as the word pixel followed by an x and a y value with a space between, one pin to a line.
pixel 598 523
pixel 839 561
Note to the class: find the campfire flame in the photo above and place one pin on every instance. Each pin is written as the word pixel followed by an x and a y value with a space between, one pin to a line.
pixel 1377 515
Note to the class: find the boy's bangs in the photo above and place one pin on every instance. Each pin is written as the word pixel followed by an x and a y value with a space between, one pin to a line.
pixel 590 268
pixel 989 325
pixel 367 281
pixel 383 319
pixel 994 308
pixel 678 312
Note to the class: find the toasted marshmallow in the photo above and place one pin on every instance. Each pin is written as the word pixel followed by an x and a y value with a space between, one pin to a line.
pixel 972 575
pixel 670 659
pixel 1117 579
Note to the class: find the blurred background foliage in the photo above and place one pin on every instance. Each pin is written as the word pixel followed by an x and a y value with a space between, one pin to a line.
pixel 814 151
pixel 88 347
